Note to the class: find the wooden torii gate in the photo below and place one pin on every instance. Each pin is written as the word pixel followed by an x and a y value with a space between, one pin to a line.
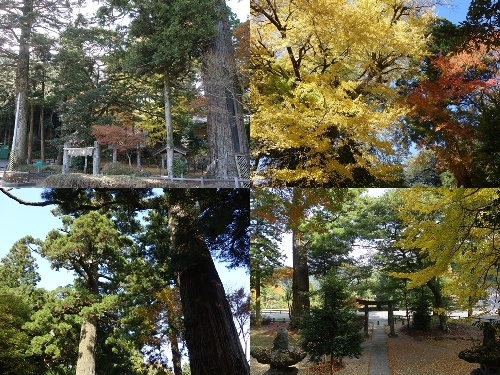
pixel 389 303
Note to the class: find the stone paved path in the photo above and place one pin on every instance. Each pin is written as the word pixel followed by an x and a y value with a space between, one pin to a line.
pixel 379 359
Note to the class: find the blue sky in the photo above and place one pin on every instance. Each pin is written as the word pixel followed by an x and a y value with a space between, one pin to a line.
pixel 17 221
pixel 455 11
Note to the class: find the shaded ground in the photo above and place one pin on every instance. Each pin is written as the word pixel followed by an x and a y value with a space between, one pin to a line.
pixel 266 335
pixel 413 352
pixel 432 352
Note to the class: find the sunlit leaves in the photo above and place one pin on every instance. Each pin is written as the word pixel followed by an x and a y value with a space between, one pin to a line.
pixel 457 232
pixel 324 108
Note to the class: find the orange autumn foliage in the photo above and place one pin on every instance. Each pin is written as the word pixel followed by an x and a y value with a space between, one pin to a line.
pixel 444 107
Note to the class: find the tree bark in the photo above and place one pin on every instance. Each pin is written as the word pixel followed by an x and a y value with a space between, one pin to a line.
pixel 438 304
pixel 226 130
pixel 30 134
pixel 257 302
pixel 211 336
pixel 176 354
pixel 300 283
pixel 168 124
pixel 42 132
pixel 23 82
pixel 85 364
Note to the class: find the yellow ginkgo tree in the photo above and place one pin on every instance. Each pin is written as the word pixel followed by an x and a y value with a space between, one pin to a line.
pixel 324 99
pixel 457 230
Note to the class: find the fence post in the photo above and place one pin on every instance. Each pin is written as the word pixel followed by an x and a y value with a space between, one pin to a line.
pixel 201 181
pixel 236 183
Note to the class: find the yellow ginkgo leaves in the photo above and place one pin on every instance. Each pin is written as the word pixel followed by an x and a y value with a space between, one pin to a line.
pixel 324 99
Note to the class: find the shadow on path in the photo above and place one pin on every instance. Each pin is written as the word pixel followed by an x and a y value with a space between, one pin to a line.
pixel 379 359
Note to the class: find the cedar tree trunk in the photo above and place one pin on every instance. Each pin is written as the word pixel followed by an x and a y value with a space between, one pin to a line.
pixel 257 302
pixel 85 364
pixel 226 129
pixel 23 83
pixel 168 125
pixel 176 353
pixel 211 337
pixel 30 134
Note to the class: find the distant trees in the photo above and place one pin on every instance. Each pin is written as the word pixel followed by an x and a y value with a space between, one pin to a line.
pixel 88 71
pixel 30 18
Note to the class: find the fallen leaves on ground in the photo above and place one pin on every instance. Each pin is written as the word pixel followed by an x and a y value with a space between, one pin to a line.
pixel 265 335
pixel 432 352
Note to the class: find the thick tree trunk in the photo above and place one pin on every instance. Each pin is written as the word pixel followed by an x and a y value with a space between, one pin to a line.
pixel 168 125
pixel 300 282
pixel 257 302
pixel 226 129
pixel 211 336
pixel 30 134
pixel 23 83
pixel 438 304
pixel 85 364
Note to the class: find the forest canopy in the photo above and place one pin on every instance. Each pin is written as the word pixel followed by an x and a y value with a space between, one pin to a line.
pixel 333 92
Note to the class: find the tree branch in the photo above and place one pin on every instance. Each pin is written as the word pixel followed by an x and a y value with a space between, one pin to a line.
pixel 26 203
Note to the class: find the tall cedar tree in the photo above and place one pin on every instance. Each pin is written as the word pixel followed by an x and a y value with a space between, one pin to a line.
pixel 299 210
pixel 166 38
pixel 227 137
pixel 91 247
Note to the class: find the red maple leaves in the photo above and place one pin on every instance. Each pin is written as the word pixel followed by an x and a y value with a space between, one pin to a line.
pixel 444 107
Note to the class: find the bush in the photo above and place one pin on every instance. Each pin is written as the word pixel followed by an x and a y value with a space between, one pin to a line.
pixel 421 317
pixel 33 168
pixel 179 167
pixel 118 169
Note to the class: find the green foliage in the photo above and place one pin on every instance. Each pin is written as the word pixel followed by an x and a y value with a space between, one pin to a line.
pixel 333 329
pixel 180 166
pixel 18 269
pixel 14 341
pixel 55 329
pixel 483 19
pixel 421 315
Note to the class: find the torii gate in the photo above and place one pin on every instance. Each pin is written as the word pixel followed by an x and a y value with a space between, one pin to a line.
pixel 389 303
pixel 69 152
